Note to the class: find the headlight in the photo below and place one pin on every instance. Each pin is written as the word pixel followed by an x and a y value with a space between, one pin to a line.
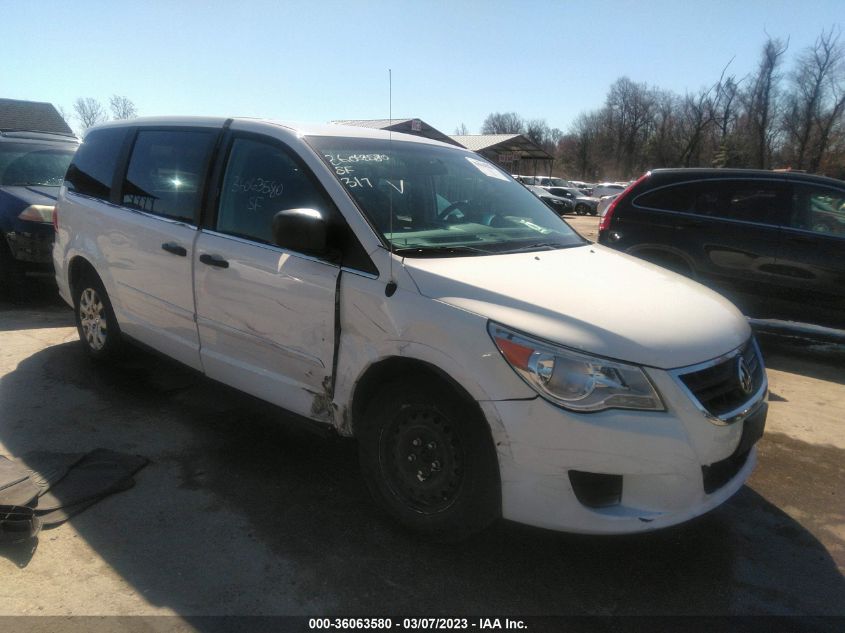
pixel 37 213
pixel 575 380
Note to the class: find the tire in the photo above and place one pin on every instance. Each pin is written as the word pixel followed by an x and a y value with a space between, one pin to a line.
pixel 428 460
pixel 95 321
pixel 581 209
pixel 594 212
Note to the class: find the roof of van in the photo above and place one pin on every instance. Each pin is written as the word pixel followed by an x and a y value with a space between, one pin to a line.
pixel 305 129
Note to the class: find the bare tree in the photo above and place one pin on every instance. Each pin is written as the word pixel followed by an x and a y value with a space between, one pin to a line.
pixel 663 148
pixel 503 123
pixel 122 107
pixel 727 105
pixel 698 114
pixel 461 130
pixel 762 102
pixel 89 112
pixel 630 108
pixel 537 130
pixel 829 122
pixel 584 136
pixel 754 121
pixel 816 100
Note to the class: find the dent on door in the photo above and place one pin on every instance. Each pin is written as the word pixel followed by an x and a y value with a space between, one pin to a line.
pixel 267 323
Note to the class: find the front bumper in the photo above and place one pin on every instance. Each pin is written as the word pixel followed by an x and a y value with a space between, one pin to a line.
pixel 35 247
pixel 668 461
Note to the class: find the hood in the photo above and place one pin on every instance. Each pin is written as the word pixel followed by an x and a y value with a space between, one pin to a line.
pixel 592 299
pixel 34 194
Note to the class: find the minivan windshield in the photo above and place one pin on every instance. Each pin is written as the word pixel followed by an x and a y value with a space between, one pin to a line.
pixel 431 201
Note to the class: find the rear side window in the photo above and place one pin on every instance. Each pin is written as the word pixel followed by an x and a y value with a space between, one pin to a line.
pixel 92 170
pixel 759 201
pixel 166 172
pixel 676 198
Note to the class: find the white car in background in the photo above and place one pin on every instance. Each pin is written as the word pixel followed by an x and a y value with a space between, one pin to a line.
pixel 608 189
pixel 605 202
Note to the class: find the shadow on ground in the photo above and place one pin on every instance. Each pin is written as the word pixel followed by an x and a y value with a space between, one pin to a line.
pixel 38 305
pixel 797 355
pixel 241 513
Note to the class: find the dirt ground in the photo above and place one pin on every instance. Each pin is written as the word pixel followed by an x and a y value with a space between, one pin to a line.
pixel 240 513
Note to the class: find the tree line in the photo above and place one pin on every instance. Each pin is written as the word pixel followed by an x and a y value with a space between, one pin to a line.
pixel 88 111
pixel 773 117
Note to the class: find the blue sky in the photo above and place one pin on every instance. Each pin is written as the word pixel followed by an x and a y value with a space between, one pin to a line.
pixel 453 62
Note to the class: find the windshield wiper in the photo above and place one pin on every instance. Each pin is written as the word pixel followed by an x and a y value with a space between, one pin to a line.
pixel 539 245
pixel 444 250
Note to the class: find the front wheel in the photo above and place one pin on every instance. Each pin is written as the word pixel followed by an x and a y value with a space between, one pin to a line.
pixel 581 209
pixel 428 460
pixel 95 321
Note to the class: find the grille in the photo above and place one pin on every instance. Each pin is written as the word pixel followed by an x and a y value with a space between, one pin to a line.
pixel 718 388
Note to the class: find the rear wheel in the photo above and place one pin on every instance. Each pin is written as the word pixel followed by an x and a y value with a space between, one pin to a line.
pixel 428 460
pixel 582 209
pixel 95 321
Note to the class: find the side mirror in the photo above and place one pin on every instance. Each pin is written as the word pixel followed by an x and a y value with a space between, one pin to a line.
pixel 301 230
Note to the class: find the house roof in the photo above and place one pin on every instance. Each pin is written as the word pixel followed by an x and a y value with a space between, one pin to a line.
pixel 375 124
pixel 31 116
pixel 503 143
pixel 414 126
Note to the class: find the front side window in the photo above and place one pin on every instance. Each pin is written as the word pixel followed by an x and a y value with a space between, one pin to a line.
pixel 818 208
pixel 166 172
pixel 434 201
pixel 262 179
pixel 760 201
pixel 92 169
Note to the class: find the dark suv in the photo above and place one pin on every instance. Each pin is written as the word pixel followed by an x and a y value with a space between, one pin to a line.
pixel 32 167
pixel 772 242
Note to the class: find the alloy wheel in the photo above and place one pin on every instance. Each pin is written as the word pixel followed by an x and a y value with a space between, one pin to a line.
pixel 92 319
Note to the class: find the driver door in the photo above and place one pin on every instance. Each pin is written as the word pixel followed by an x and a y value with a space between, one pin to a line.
pixel 265 315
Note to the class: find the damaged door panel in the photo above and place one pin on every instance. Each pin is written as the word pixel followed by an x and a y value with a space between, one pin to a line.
pixel 266 322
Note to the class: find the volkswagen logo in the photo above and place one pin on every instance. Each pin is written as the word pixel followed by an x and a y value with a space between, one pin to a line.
pixel 746 382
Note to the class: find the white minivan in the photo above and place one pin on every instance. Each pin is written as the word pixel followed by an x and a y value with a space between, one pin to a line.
pixel 489 360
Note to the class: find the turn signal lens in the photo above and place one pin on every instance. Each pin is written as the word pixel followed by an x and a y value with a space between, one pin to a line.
pixel 37 213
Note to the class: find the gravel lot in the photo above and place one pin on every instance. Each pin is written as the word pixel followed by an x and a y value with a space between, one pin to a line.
pixel 241 513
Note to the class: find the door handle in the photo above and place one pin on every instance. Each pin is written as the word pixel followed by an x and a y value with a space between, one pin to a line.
pixel 173 247
pixel 214 260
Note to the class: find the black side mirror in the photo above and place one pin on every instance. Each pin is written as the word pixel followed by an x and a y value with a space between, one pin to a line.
pixel 301 230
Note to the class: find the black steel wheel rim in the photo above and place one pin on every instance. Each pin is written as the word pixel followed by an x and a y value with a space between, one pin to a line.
pixel 421 459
